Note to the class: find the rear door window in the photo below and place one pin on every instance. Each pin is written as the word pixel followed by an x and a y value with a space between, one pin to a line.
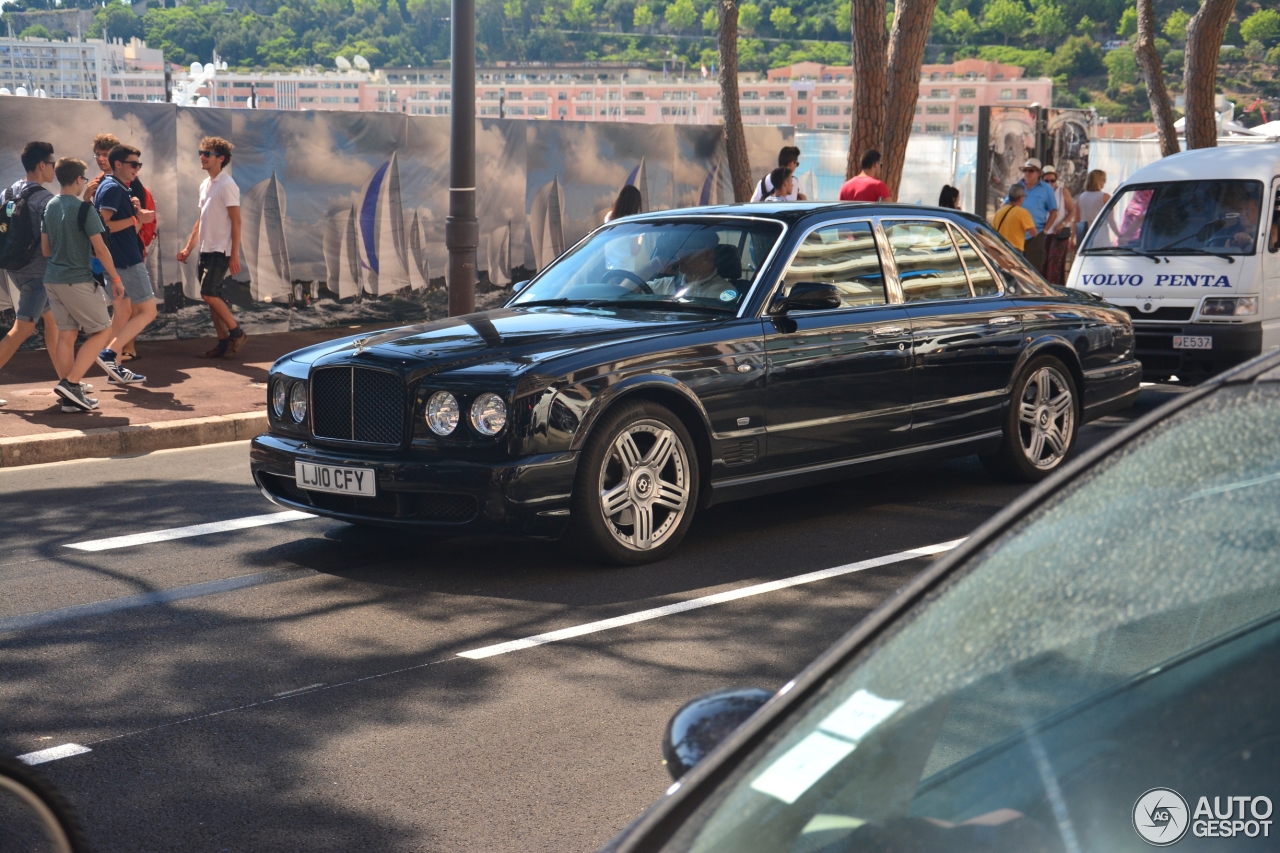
pixel 929 267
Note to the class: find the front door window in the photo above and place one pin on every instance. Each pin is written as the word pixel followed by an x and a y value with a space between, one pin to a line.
pixel 844 255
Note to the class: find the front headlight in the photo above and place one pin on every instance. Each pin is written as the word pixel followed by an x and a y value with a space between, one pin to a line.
pixel 279 397
pixel 1229 306
pixel 488 414
pixel 298 402
pixel 442 413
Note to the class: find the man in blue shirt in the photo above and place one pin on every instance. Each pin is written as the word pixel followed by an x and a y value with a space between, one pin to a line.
pixel 122 214
pixel 1040 202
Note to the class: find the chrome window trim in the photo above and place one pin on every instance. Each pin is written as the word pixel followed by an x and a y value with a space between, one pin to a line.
pixel 986 262
pixel 880 220
pixel 763 311
pixel 746 300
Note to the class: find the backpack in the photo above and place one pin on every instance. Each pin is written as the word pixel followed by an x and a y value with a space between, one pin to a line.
pixel 19 241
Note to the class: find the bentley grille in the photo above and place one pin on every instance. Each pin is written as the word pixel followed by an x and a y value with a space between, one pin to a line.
pixel 358 404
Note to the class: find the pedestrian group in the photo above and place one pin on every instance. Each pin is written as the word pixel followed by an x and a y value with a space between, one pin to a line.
pixel 78 259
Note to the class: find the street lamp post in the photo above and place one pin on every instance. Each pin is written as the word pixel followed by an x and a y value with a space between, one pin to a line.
pixel 461 229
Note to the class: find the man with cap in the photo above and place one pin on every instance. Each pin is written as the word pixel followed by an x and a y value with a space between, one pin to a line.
pixel 1040 202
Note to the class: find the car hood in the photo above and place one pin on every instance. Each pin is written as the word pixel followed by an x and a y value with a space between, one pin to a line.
pixel 505 339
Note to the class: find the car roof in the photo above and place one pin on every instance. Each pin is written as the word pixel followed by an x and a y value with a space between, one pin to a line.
pixel 794 211
pixel 1257 161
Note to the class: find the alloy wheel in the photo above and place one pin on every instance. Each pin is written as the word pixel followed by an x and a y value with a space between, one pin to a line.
pixel 644 485
pixel 1046 418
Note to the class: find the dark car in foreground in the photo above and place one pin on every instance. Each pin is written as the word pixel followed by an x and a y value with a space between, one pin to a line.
pixel 675 360
pixel 1096 670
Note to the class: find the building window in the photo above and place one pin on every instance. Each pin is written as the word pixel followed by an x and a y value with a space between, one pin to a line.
pixel 751 111
pixel 937 127
pixel 802 95
pixel 584 96
pixel 828 111
pixel 802 111
pixel 1006 94
pixel 563 96
pixel 939 93
pixel 537 111
pixel 919 109
pixel 564 111
pixel 350 100
pixel 582 111
pixel 239 85
pixel 775 95
pixel 442 111
pixel 515 96
pixel 351 85
pixel 775 111
pixel 965 127
pixel 489 96
pixel 848 111
pixel 938 109
pixel 307 100
pixel 968 93
pixel 750 96
pixel 308 85
pixel 635 111
pixel 917 128
pixel 537 96
pixel 330 85
pixel 324 100
pixel 442 96
pixel 1022 94
pixel 966 109
pixel 515 111
pixel 828 94
pixel 239 99
pixel 488 111
pixel 823 125
pixel 635 96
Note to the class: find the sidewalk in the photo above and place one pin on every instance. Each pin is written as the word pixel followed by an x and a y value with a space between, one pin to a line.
pixel 185 401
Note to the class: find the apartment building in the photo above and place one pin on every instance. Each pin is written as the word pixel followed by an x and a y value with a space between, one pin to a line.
pixel 89 69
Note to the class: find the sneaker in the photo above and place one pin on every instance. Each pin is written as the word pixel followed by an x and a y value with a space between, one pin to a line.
pixel 107 361
pixel 219 350
pixel 74 396
pixel 235 344
pixel 87 386
pixel 125 376
pixel 3 403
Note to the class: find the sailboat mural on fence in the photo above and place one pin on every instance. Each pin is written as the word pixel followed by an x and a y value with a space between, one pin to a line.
pixel 270 277
pixel 419 266
pixel 546 223
pixel 380 231
pixel 342 253
pixel 639 178
pixel 500 256
pixel 709 187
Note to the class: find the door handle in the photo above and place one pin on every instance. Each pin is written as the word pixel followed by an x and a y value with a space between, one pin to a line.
pixel 1002 321
pixel 886 331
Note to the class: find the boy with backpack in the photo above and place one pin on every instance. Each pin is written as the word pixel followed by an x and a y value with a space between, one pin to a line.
pixel 72 234
pixel 122 215
pixel 21 210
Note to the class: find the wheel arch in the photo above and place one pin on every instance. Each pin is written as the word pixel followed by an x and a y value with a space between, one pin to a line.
pixel 1061 349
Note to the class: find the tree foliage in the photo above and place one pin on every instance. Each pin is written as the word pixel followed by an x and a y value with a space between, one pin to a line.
pixel 1262 26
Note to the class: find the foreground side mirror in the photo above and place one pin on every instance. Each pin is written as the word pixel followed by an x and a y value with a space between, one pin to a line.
pixel 520 285
pixel 808 296
pixel 702 724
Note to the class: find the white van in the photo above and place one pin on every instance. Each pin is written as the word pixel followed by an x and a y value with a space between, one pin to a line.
pixel 1188 246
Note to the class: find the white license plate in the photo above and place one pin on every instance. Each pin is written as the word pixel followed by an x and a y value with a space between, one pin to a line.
pixel 1193 342
pixel 330 478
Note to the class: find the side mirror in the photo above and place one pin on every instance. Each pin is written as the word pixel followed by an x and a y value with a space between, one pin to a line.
pixel 520 285
pixel 702 724
pixel 808 296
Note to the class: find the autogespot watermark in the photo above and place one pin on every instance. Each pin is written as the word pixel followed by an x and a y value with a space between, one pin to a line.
pixel 1162 817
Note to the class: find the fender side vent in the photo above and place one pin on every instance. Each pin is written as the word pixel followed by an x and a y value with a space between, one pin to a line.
pixel 742 452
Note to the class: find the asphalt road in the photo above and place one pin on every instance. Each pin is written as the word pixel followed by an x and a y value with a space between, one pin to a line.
pixel 323 704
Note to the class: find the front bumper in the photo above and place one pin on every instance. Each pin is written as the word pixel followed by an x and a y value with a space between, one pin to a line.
pixel 1233 343
pixel 525 497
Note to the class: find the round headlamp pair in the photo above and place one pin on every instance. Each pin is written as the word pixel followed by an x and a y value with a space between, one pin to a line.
pixel 488 413
pixel 291 397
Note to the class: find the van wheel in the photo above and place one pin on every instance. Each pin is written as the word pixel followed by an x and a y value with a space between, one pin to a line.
pixel 1041 424
pixel 636 487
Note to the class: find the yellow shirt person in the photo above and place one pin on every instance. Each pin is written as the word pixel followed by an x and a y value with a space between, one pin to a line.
pixel 1013 221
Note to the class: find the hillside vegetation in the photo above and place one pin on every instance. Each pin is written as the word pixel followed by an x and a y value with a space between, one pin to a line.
pixel 1063 39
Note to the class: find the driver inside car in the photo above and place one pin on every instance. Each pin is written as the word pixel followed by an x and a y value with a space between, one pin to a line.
pixel 1242 228
pixel 695 273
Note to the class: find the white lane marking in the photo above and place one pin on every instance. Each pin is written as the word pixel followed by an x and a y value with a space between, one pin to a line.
pixel 705 601
pixel 185 532
pixel 298 690
pixel 53 753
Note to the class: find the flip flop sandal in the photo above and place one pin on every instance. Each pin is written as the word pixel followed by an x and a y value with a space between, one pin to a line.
pixel 126 357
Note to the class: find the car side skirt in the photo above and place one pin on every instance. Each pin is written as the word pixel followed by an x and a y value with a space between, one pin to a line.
pixel 752 485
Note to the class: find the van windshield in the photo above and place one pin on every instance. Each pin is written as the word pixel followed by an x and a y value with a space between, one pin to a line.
pixel 1182 217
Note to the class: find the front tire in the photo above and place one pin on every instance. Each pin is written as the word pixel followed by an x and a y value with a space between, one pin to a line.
pixel 637 486
pixel 1041 424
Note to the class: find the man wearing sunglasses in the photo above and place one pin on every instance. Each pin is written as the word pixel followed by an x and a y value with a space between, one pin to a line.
pixel 122 214
pixel 217 234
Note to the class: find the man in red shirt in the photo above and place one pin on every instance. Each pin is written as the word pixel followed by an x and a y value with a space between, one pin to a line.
pixel 866 185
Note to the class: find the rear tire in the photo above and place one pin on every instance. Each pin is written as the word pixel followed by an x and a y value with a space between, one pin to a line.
pixel 34 810
pixel 1041 424
pixel 637 486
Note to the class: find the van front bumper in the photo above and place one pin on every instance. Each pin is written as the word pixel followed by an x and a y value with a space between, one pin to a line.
pixel 1233 344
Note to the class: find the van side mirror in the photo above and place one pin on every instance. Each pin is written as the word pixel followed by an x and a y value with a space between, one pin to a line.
pixel 703 723
pixel 808 296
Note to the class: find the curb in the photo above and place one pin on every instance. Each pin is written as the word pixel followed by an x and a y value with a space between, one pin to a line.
pixel 122 441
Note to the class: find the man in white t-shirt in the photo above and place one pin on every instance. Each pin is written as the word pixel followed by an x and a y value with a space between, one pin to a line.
pixel 789 159
pixel 217 234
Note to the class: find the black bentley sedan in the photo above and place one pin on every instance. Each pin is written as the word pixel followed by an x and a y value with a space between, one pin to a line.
pixel 675 360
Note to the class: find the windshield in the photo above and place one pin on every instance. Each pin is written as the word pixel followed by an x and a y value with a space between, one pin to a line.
pixel 1124 637
pixel 703 265
pixel 1187 217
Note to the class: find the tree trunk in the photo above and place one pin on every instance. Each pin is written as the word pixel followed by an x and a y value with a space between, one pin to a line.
pixel 1204 39
pixel 1144 51
pixel 911 21
pixel 870 80
pixel 735 140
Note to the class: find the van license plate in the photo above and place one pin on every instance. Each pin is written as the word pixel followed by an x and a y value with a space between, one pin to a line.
pixel 1193 342
pixel 330 478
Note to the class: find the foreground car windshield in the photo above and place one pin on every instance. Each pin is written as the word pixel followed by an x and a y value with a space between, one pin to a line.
pixel 703 264
pixel 1183 216
pixel 1102 676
